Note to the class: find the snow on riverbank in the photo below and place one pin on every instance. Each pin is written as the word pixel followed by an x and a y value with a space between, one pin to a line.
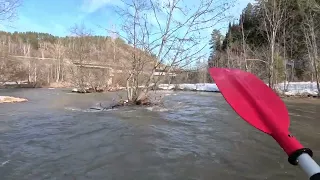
pixel 209 87
pixel 293 89
pixel 299 88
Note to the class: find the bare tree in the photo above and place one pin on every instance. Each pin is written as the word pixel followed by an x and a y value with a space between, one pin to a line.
pixel 310 12
pixel 114 37
pixel 244 48
pixel 26 53
pixel 8 9
pixel 273 14
pixel 164 35
pixel 80 52
pixel 202 70
pixel 58 53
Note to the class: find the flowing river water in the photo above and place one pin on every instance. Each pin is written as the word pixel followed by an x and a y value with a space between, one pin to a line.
pixel 195 136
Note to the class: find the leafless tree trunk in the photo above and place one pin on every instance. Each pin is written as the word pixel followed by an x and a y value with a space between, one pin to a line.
pixel 311 43
pixel 80 51
pixel 58 51
pixel 244 45
pixel 272 19
pixel 114 38
pixel 285 60
pixel 310 11
pixel 26 53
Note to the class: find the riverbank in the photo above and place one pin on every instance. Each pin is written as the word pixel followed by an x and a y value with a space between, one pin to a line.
pixel 298 89
pixel 285 90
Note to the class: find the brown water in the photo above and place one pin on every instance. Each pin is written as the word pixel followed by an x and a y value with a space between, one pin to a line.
pixel 196 136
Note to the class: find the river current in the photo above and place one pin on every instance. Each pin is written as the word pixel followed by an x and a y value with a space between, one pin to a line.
pixel 193 136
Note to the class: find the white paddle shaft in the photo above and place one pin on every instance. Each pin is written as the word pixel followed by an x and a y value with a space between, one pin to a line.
pixel 309 166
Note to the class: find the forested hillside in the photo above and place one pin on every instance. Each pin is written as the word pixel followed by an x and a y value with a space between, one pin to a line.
pixel 43 59
pixel 278 40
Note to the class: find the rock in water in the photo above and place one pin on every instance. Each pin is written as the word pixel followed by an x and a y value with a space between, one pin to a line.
pixel 144 101
pixel 10 99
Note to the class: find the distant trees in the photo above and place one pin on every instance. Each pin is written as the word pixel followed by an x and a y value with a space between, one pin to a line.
pixel 216 49
pixel 43 59
pixel 310 12
pixel 272 17
pixel 7 12
pixel 80 53
pixel 276 40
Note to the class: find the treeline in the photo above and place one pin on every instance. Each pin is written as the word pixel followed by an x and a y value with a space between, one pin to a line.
pixel 42 59
pixel 278 40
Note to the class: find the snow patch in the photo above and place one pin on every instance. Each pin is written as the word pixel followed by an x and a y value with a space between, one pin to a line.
pixel 292 89
pixel 209 87
pixel 298 88
pixel 166 86
pixel 157 109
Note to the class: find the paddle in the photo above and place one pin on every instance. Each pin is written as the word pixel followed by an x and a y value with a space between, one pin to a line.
pixel 262 108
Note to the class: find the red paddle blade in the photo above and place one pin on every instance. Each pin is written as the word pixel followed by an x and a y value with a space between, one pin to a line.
pixel 257 104
pixel 252 99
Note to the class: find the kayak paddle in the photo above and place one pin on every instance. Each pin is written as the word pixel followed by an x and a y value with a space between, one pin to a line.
pixel 262 108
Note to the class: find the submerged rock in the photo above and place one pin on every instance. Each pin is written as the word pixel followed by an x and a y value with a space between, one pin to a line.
pixel 10 99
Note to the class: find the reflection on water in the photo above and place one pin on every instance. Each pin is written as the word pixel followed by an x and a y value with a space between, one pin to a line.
pixel 194 136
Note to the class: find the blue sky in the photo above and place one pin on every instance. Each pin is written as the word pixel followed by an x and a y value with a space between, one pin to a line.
pixel 57 16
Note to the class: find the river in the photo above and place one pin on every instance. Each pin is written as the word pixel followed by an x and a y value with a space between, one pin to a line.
pixel 195 136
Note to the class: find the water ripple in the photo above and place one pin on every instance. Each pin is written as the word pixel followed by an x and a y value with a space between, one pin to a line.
pixel 194 136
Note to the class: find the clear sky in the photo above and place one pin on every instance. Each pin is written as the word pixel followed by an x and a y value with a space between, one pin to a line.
pixel 57 16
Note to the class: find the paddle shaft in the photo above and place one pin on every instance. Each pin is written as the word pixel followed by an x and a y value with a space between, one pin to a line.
pixel 309 166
